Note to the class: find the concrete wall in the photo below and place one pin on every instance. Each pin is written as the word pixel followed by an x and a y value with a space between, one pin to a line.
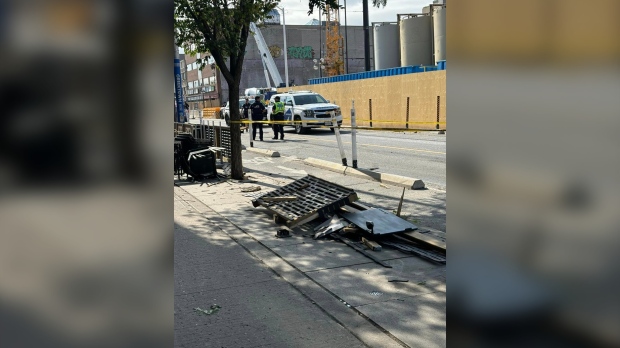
pixel 303 45
pixel 389 99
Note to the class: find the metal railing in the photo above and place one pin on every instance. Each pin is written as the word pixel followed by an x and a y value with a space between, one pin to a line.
pixel 219 135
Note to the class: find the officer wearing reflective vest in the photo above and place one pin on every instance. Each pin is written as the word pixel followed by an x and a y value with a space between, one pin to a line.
pixel 277 115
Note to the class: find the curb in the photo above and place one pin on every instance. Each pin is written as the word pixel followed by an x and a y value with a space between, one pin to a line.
pixel 392 179
pixel 264 152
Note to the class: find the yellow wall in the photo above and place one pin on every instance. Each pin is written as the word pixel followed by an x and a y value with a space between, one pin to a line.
pixel 534 31
pixel 389 99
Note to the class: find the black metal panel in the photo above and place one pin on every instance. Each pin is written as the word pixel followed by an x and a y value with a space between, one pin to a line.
pixel 382 222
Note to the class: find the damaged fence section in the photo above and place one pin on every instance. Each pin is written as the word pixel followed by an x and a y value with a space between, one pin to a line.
pixel 305 200
pixel 344 219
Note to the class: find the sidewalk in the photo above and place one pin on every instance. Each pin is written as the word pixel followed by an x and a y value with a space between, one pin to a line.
pixel 336 296
pixel 258 308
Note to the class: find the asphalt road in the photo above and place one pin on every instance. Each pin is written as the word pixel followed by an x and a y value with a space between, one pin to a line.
pixel 418 155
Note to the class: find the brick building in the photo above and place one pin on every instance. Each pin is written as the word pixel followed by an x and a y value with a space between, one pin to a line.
pixel 200 87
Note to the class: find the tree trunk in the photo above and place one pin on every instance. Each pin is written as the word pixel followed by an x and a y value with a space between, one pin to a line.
pixel 236 165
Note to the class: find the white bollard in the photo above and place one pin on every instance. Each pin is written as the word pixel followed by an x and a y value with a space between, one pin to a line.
pixel 250 133
pixel 340 146
pixel 202 128
pixel 353 131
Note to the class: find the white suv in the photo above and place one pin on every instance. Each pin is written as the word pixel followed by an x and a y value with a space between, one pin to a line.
pixel 225 111
pixel 306 109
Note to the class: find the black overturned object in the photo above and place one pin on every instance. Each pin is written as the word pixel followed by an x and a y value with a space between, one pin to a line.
pixel 192 157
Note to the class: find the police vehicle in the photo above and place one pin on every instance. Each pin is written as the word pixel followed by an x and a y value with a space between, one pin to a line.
pixel 306 109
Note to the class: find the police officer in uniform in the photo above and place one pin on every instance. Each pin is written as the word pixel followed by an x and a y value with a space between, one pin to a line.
pixel 277 114
pixel 258 113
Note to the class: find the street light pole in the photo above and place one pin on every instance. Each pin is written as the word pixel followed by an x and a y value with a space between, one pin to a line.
pixel 285 49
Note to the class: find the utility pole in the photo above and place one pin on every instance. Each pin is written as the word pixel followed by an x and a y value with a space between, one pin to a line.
pixel 366 36
pixel 346 42
pixel 320 40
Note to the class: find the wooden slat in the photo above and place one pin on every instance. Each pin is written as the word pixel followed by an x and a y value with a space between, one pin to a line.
pixel 425 239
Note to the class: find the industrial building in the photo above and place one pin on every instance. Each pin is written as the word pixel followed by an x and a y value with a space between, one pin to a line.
pixel 417 39
pixel 303 42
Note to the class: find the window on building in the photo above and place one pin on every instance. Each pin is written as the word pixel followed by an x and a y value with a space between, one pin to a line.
pixel 198 55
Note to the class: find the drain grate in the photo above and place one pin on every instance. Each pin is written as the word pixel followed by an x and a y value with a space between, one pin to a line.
pixel 376 293
pixel 313 196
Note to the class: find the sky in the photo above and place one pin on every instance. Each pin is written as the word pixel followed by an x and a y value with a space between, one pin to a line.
pixel 296 11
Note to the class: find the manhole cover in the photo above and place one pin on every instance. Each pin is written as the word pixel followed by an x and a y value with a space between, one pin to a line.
pixel 376 293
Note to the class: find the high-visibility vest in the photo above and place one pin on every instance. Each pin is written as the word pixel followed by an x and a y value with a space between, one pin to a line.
pixel 279 107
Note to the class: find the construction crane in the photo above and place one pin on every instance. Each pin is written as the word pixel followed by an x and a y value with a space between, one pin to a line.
pixel 334 63
pixel 268 62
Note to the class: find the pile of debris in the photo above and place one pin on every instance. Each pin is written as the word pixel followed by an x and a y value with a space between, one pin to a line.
pixel 358 226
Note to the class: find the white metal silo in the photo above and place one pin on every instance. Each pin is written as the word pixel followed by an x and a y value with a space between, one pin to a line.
pixel 386 45
pixel 416 40
pixel 439 33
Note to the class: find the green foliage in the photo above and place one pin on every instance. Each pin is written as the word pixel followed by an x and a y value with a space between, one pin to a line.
pixel 334 4
pixel 220 27
pixel 312 4
pixel 377 3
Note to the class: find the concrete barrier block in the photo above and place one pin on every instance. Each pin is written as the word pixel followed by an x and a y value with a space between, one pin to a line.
pixel 411 183
pixel 392 179
pixel 362 173
pixel 265 152
pixel 335 167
